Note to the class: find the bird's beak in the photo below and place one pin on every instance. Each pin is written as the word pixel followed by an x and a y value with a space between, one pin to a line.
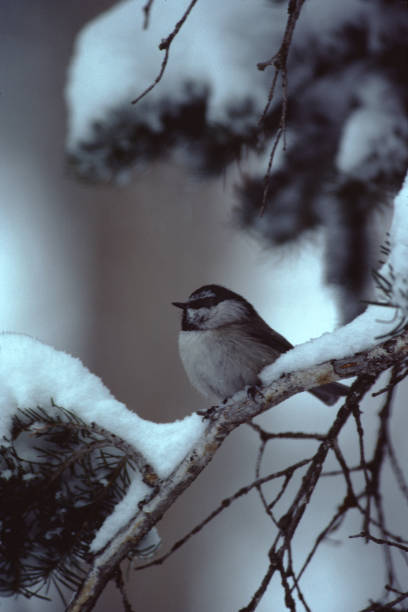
pixel 182 305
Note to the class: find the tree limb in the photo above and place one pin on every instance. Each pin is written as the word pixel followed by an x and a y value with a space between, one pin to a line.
pixel 163 46
pixel 223 421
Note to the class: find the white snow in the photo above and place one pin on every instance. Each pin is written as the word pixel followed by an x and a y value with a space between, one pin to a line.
pixel 375 133
pixel 121 515
pixel 396 266
pixel 364 331
pixel 34 374
pixel 358 335
pixel 115 59
pixel 216 50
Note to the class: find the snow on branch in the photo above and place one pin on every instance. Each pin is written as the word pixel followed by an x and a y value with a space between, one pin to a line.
pixel 377 321
pixel 392 278
pixel 238 410
pixel 34 374
pixel 352 351
pixel 74 464
pixel 49 395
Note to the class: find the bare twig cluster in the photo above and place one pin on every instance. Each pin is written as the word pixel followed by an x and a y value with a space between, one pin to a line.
pixel 279 61
pixel 367 502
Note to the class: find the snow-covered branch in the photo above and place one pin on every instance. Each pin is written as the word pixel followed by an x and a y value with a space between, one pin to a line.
pixel 220 423
pixel 35 380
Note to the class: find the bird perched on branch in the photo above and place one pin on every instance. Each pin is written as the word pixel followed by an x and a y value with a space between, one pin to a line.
pixel 224 344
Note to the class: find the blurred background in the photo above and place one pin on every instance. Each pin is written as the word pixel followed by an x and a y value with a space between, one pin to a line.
pixel 92 268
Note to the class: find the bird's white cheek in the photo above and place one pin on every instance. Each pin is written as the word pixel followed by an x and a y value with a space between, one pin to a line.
pixel 198 316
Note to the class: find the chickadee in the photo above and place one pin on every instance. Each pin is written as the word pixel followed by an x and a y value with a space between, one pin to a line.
pixel 224 344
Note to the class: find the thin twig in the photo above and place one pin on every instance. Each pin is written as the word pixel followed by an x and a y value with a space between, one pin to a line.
pixel 363 462
pixel 267 507
pixel 223 506
pixel 398 473
pixel 378 607
pixel 280 63
pixel 165 45
pixel 376 466
pixel 334 523
pixel 381 541
pixel 284 572
pixel 146 11
pixel 351 496
pixel 289 522
pixel 259 593
pixel 120 583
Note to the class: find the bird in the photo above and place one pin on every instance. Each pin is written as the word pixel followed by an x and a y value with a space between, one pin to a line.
pixel 224 344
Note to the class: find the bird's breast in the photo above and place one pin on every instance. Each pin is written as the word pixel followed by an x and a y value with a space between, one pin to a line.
pixel 220 363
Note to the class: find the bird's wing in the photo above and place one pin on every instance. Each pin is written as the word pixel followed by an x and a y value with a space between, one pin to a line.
pixel 261 332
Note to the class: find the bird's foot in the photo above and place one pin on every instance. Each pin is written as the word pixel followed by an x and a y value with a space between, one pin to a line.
pixel 210 414
pixel 253 391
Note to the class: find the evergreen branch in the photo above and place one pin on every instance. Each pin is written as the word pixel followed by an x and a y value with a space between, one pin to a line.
pixel 59 497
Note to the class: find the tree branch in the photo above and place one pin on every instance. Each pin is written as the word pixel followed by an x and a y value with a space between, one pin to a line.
pixel 279 61
pixel 223 421
pixel 164 45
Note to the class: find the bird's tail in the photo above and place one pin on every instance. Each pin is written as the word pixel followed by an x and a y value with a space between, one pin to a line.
pixel 330 393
